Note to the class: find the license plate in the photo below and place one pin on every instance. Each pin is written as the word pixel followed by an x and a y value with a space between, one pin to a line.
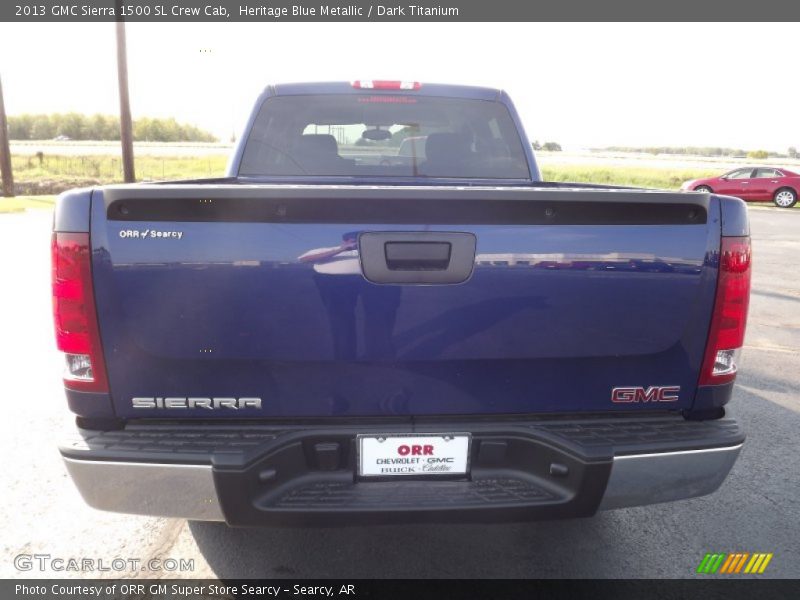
pixel 397 455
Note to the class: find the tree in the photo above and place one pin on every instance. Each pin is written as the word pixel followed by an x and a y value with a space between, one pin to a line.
pixel 42 129
pixel 101 127
pixel 71 125
pixel 125 121
pixel 170 130
pixel 19 128
pixel 792 152
pixel 536 145
pixel 551 147
pixel 5 153
pixel 758 154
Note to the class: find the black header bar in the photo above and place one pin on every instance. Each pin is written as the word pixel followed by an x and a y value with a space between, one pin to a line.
pixel 733 588
pixel 194 11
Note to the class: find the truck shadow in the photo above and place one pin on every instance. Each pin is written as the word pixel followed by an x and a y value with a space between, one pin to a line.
pixel 750 513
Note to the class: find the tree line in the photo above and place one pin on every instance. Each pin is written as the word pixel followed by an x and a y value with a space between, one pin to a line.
pixel 76 126
pixel 547 146
pixel 702 151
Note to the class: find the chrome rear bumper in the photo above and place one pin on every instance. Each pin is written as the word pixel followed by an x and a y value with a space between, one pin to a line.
pixel 641 479
pixel 196 490
pixel 161 490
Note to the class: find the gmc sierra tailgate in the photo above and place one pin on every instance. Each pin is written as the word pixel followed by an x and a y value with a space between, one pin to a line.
pixel 359 301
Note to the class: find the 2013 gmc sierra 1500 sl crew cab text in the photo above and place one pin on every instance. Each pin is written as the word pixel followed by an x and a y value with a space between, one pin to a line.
pixel 336 333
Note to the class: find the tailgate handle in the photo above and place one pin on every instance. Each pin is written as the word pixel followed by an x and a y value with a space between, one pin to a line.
pixel 417 256
pixel 426 257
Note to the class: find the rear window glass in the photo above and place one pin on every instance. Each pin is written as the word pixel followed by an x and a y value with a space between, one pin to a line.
pixel 372 135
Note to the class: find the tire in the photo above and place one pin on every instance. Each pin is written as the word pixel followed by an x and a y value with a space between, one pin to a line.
pixel 785 198
pixel 703 188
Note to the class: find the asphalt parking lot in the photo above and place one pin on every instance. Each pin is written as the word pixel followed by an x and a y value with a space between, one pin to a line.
pixel 756 510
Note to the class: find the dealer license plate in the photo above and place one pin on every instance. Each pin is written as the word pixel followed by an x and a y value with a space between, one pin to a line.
pixel 391 455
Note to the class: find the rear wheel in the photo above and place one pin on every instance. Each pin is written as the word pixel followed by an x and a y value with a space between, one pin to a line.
pixel 703 188
pixel 785 198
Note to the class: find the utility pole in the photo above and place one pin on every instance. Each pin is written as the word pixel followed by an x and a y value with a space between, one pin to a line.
pixel 5 151
pixel 125 125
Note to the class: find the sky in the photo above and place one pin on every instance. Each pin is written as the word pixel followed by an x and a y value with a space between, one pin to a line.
pixel 580 84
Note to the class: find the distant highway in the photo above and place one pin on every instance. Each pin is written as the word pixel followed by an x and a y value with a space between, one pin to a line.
pixel 570 157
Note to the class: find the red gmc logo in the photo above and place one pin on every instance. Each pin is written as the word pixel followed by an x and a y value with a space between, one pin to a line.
pixel 655 393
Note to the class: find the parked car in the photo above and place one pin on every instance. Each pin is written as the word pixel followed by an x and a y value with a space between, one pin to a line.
pixel 754 184
pixel 325 339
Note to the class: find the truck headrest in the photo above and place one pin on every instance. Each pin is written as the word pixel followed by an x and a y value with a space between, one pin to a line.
pixel 317 144
pixel 446 147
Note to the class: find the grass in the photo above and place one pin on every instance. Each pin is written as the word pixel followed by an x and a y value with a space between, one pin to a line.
pixel 62 171
pixel 634 176
pixel 108 169
pixel 20 203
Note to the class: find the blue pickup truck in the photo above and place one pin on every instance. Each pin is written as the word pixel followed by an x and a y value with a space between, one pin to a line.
pixel 328 336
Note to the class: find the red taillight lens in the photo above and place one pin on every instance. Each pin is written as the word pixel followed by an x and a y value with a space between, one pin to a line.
pixel 370 84
pixel 74 314
pixel 726 335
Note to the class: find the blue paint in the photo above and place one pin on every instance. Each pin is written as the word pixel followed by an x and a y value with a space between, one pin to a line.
pixel 552 318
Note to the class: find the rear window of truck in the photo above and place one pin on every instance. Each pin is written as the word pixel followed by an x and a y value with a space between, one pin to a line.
pixel 383 135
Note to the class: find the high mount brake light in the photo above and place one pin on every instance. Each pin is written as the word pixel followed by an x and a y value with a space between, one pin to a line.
pixel 726 335
pixel 375 84
pixel 74 313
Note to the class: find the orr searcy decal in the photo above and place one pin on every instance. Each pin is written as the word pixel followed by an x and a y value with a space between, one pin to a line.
pixel 150 234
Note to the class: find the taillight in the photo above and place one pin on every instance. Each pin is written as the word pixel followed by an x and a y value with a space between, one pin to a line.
pixel 726 336
pixel 77 333
pixel 369 84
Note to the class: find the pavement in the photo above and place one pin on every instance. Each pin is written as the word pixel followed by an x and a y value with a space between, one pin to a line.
pixel 756 509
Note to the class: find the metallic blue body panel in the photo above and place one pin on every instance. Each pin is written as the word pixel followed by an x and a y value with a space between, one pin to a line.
pixel 553 317
pixel 72 212
pixel 734 216
pixel 92 405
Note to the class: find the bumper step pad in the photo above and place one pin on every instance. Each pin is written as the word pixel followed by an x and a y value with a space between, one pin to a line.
pixel 414 495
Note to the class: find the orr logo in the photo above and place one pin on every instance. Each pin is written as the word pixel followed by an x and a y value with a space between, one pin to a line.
pixel 654 393
pixel 415 450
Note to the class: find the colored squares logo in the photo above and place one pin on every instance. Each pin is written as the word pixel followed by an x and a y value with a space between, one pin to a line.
pixel 734 563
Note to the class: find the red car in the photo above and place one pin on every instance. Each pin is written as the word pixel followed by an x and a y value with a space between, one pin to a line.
pixel 759 184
